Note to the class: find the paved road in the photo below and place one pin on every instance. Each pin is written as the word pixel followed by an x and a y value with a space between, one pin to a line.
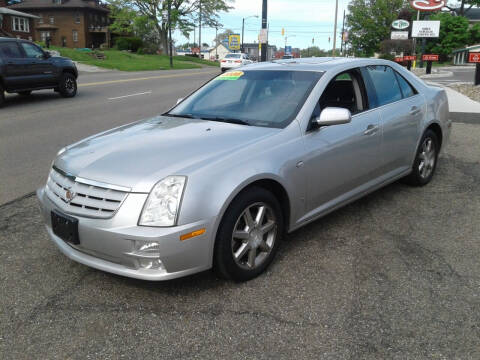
pixel 393 276
pixel 33 129
pixel 460 74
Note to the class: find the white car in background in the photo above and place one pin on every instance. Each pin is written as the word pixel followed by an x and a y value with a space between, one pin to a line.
pixel 234 60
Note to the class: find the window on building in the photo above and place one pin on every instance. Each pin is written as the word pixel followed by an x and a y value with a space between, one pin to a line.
pixel 52 20
pixel 75 36
pixel 40 20
pixel 77 18
pixel 57 2
pixel 44 35
pixel 20 24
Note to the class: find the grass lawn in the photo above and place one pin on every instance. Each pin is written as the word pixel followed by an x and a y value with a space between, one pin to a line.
pixel 125 61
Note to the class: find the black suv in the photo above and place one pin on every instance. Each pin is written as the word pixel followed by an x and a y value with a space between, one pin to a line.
pixel 25 67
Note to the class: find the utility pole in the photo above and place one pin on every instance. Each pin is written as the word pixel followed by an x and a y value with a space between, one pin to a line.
pixel 170 32
pixel 335 29
pixel 200 28
pixel 343 32
pixel 264 26
pixel 216 43
pixel 243 34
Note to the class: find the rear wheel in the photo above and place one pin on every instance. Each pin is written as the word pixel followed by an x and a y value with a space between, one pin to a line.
pixel 2 95
pixel 425 161
pixel 68 85
pixel 249 235
pixel 24 93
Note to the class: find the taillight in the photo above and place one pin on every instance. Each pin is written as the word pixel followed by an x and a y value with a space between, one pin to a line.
pixel 238 61
pixel 224 60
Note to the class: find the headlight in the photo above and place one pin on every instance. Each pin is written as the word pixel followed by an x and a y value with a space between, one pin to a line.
pixel 163 202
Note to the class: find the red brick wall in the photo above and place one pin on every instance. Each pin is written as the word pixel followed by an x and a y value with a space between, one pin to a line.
pixel 3 3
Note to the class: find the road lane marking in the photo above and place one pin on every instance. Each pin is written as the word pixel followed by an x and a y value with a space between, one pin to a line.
pixel 143 78
pixel 125 96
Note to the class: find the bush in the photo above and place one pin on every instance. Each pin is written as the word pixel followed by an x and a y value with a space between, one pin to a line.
pixel 41 44
pixel 128 43
pixel 387 57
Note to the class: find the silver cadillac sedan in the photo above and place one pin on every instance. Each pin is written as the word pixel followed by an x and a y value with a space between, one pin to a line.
pixel 253 154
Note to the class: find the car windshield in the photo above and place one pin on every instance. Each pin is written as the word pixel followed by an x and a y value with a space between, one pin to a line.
pixel 258 98
pixel 233 56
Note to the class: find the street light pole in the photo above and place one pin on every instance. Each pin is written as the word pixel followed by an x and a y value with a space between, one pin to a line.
pixel 200 28
pixel 264 26
pixel 170 32
pixel 243 29
pixel 335 29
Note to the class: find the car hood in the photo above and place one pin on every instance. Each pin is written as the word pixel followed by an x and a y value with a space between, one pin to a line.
pixel 138 155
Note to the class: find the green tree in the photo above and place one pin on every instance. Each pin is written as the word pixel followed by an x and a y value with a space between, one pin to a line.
pixel 474 34
pixel 314 51
pixel 369 23
pixel 223 35
pixel 184 14
pixel 454 34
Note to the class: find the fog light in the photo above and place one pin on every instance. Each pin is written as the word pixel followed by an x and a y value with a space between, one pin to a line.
pixel 147 255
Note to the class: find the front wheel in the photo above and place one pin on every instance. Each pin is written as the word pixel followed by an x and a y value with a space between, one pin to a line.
pixel 249 235
pixel 67 85
pixel 425 160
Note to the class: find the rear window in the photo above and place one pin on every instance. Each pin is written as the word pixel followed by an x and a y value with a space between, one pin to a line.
pixel 233 56
pixel 10 50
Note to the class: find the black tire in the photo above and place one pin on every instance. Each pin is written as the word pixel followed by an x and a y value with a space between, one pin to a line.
pixel 2 95
pixel 67 85
pixel 25 93
pixel 418 177
pixel 226 265
pixel 223 70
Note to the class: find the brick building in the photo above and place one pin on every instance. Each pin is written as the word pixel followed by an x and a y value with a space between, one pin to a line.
pixel 15 23
pixel 68 23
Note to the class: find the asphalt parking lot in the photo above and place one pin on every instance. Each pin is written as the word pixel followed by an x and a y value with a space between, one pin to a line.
pixel 395 275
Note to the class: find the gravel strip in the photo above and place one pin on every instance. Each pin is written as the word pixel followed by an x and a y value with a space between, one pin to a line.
pixel 470 90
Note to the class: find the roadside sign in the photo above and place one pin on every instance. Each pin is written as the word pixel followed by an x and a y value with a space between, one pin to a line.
pixel 399 35
pixel 263 36
pixel 474 57
pixel 428 5
pixel 399 59
pixel 288 50
pixel 430 57
pixel 409 58
pixel 234 42
pixel 426 29
pixel 400 24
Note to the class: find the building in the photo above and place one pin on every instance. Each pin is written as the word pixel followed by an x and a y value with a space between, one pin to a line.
pixel 218 52
pixel 15 23
pixel 68 23
pixel 460 56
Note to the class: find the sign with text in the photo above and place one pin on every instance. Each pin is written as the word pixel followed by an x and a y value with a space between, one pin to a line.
pixel 400 24
pixel 428 5
pixel 409 58
pixel 234 42
pixel 399 59
pixel 426 29
pixel 399 35
pixel 474 57
pixel 288 50
pixel 430 57
pixel 263 36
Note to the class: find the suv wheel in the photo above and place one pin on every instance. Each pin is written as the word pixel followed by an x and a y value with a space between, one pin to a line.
pixel 249 235
pixel 2 95
pixel 68 85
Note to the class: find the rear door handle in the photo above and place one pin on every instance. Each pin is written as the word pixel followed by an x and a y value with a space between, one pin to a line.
pixel 415 111
pixel 371 129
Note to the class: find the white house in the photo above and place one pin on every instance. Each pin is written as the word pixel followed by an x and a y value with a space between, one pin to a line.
pixel 218 52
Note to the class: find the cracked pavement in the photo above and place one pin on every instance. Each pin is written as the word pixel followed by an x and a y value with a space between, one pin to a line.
pixel 394 275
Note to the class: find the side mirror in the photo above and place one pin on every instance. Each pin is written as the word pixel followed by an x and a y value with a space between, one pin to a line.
pixel 179 100
pixel 47 55
pixel 334 116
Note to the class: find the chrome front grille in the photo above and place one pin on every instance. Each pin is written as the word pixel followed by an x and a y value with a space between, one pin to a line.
pixel 84 197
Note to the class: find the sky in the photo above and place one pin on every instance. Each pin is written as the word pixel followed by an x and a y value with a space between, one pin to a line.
pixel 303 21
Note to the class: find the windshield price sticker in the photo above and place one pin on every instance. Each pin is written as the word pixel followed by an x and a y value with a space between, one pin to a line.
pixel 232 75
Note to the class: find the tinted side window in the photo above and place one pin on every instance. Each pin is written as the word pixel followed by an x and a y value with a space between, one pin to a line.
pixel 32 51
pixel 10 50
pixel 385 83
pixel 407 89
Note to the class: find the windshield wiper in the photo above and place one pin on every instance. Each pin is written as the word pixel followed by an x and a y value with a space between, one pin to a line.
pixel 226 120
pixel 187 116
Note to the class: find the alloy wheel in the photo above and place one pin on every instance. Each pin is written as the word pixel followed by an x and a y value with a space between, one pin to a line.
pixel 428 157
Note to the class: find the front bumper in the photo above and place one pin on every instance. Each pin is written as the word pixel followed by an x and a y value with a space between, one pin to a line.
pixel 108 244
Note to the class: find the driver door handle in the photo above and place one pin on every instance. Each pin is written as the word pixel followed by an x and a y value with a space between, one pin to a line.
pixel 371 129
pixel 414 111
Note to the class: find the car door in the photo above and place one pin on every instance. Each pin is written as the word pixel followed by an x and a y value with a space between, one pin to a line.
pixel 342 159
pixel 14 65
pixel 402 110
pixel 39 68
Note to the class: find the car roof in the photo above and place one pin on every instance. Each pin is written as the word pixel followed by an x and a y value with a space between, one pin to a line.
pixel 320 64
pixel 7 39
